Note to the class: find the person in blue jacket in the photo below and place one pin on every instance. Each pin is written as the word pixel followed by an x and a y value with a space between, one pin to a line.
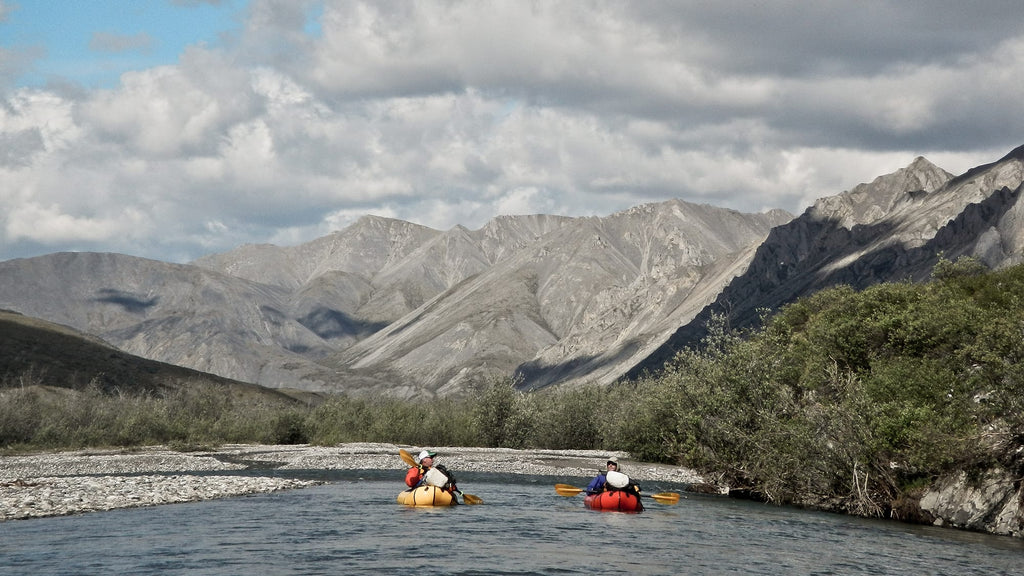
pixel 596 485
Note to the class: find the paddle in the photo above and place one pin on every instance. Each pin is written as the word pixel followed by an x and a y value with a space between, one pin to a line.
pixel 661 497
pixel 567 490
pixel 467 498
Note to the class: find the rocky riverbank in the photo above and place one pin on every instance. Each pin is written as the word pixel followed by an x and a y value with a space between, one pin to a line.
pixel 62 483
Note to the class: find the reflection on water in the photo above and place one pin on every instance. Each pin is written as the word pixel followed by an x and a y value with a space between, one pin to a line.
pixel 354 526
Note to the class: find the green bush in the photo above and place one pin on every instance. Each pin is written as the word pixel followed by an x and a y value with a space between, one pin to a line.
pixel 849 396
pixel 580 418
pixel 502 415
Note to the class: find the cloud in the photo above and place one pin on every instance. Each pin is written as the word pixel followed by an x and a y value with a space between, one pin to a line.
pixel 14 63
pixel 110 42
pixel 448 113
pixel 173 110
pixel 49 224
pixel 18 148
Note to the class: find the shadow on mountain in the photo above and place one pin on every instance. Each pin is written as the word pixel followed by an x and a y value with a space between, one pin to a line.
pixel 327 324
pixel 799 258
pixel 126 300
pixel 534 375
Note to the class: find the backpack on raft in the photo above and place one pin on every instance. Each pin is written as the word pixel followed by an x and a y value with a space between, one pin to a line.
pixel 619 481
pixel 440 477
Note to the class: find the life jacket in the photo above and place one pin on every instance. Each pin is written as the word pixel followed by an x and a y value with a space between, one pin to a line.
pixel 413 476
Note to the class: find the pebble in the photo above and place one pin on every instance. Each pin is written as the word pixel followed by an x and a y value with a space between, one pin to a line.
pixel 39 485
pixel 63 495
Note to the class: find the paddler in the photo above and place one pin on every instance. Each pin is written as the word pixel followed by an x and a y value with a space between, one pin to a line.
pixel 426 472
pixel 597 485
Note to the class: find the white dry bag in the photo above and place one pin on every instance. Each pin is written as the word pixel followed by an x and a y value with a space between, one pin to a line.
pixel 435 477
pixel 617 479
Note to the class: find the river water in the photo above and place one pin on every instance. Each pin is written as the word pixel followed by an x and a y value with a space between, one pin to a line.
pixel 352 525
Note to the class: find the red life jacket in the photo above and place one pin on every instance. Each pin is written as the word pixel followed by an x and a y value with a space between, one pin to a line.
pixel 413 476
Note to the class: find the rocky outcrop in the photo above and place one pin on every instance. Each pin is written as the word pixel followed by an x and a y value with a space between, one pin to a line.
pixel 992 503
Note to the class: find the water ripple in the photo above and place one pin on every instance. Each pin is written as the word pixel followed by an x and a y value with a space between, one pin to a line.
pixel 355 526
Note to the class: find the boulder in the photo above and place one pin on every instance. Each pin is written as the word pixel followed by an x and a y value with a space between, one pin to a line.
pixel 990 504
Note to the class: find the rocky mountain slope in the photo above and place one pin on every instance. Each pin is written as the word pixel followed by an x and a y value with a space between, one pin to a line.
pixel 182 315
pixel 40 354
pixel 895 228
pixel 589 295
pixel 389 306
pixel 386 306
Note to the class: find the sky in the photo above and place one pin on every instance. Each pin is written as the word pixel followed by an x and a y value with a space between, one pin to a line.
pixel 172 129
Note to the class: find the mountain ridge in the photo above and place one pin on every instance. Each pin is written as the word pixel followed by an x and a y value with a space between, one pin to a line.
pixel 386 306
pixel 932 214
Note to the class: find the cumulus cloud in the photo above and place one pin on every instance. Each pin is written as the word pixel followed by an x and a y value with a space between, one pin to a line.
pixel 449 113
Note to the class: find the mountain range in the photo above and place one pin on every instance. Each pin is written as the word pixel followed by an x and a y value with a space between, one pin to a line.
pixel 387 306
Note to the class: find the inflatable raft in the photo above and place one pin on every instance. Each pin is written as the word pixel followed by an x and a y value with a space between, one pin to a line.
pixel 427 495
pixel 618 500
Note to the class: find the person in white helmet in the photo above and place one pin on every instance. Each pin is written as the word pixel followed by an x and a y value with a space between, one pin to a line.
pixel 597 485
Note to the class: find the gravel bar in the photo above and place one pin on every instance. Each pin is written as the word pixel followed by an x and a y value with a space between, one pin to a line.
pixel 56 484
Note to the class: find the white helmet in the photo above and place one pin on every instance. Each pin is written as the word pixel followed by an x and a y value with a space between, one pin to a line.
pixel 424 454
pixel 617 479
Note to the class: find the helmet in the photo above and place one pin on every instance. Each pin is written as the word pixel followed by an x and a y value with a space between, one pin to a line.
pixel 617 479
pixel 425 454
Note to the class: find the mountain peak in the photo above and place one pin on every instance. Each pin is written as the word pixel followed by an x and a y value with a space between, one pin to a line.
pixel 921 164
pixel 868 203
pixel 930 176
pixel 373 221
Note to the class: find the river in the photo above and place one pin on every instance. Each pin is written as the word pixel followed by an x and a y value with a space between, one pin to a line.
pixel 352 525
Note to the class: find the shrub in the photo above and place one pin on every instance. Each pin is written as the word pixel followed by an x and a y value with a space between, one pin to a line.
pixel 850 396
pixel 502 415
pixel 579 418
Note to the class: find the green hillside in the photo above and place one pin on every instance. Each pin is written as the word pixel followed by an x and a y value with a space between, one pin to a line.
pixel 851 400
pixel 37 352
